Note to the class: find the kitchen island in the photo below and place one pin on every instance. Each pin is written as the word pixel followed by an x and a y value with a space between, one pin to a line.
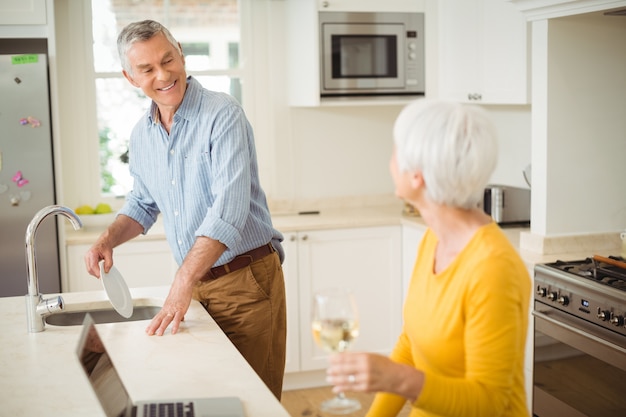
pixel 40 373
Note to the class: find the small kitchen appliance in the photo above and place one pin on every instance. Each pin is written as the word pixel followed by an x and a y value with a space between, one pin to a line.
pixel 371 53
pixel 580 338
pixel 507 204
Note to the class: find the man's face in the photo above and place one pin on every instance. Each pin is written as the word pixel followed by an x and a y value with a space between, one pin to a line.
pixel 158 68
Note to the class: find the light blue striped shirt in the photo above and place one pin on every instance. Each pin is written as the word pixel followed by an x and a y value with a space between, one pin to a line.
pixel 202 177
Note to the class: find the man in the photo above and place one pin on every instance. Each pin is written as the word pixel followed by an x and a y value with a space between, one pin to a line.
pixel 193 160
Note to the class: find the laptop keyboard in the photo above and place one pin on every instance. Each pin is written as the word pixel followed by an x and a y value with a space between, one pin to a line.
pixel 177 409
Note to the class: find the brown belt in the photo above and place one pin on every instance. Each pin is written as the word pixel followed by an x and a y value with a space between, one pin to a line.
pixel 239 262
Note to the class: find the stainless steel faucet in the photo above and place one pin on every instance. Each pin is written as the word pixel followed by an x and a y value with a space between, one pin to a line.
pixel 37 308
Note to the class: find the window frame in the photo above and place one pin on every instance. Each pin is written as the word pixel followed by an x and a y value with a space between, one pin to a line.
pixel 243 72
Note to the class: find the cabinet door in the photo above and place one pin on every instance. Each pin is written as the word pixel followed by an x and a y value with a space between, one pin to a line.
pixel 290 270
pixel 504 43
pixel 458 48
pixel 411 238
pixel 483 49
pixel 23 12
pixel 141 263
pixel 366 260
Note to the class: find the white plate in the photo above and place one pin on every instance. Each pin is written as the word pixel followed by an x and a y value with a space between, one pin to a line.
pixel 117 291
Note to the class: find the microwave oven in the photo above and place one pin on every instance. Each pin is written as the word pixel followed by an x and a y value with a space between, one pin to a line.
pixel 378 53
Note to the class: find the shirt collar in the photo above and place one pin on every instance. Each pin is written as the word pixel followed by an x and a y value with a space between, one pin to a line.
pixel 186 107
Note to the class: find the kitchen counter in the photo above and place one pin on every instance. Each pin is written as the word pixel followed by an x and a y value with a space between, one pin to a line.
pixel 40 373
pixel 389 213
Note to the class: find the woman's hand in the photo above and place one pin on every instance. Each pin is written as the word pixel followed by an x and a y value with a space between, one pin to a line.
pixel 368 372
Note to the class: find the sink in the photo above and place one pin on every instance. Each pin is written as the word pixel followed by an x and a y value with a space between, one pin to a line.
pixel 75 318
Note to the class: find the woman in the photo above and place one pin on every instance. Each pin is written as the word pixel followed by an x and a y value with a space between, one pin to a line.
pixel 461 350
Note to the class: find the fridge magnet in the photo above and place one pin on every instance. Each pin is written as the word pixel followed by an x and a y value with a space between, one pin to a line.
pixel 17 80
pixel 33 122
pixel 24 59
pixel 15 200
pixel 19 179
pixel 30 120
pixel 3 188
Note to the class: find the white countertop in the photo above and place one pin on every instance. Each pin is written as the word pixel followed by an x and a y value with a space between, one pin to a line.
pixel 387 214
pixel 40 373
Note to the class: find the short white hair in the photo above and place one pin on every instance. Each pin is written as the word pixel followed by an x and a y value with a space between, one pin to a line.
pixel 139 32
pixel 454 145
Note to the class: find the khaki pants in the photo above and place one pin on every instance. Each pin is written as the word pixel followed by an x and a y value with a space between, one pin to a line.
pixel 249 306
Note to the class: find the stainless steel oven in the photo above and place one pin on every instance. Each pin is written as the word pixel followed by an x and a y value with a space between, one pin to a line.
pixel 580 339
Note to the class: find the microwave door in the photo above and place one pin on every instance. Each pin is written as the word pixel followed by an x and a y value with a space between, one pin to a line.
pixel 363 58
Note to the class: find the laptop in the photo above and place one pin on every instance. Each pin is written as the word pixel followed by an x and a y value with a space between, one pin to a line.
pixel 115 399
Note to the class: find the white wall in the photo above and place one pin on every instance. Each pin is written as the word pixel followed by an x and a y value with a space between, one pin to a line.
pixel 329 152
pixel 579 125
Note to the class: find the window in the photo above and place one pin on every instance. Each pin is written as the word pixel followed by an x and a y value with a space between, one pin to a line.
pixel 209 33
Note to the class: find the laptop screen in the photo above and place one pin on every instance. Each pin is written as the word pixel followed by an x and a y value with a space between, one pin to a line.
pixel 102 376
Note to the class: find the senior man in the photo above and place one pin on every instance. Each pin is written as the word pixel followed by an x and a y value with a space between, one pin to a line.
pixel 193 160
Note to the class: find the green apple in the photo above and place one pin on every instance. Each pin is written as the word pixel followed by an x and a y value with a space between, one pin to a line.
pixel 103 208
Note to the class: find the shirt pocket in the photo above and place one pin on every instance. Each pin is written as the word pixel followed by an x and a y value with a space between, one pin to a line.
pixel 197 171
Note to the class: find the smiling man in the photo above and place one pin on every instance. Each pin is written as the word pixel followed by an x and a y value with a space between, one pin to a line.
pixel 193 160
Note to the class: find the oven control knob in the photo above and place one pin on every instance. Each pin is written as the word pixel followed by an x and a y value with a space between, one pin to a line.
pixel 616 320
pixel 603 314
pixel 541 291
pixel 563 300
pixel 552 296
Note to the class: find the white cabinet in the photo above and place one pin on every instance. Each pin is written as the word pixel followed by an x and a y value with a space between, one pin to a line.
pixel 366 260
pixel 142 263
pixel 290 270
pixel 369 5
pixel 23 12
pixel 412 235
pixel 483 52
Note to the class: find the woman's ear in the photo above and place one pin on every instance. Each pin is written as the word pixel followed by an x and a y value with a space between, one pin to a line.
pixel 417 180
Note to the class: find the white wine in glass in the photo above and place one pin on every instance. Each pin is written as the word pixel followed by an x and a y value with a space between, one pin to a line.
pixel 335 325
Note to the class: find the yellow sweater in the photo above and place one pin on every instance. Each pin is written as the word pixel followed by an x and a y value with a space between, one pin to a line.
pixel 465 328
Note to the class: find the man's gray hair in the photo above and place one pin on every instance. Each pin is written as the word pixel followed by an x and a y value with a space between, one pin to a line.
pixel 138 32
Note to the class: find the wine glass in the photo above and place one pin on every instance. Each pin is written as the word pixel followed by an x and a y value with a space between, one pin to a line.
pixel 335 325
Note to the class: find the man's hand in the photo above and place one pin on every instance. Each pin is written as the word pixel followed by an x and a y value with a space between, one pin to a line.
pixel 198 261
pixel 173 310
pixel 121 230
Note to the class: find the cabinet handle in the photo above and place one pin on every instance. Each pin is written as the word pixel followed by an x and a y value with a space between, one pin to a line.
pixel 292 238
pixel 305 237
pixel 324 4
pixel 474 96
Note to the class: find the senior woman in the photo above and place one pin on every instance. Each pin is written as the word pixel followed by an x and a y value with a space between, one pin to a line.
pixel 461 350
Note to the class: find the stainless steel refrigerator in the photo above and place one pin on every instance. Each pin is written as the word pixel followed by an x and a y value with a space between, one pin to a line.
pixel 26 165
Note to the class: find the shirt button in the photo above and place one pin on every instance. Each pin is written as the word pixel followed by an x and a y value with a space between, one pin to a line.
pixel 173 182
pixel 180 242
pixel 176 213
pixel 172 152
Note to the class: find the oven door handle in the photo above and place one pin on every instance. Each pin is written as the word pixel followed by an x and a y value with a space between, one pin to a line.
pixel 579 332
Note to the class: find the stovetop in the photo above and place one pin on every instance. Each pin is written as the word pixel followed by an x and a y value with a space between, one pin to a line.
pixel 597 271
